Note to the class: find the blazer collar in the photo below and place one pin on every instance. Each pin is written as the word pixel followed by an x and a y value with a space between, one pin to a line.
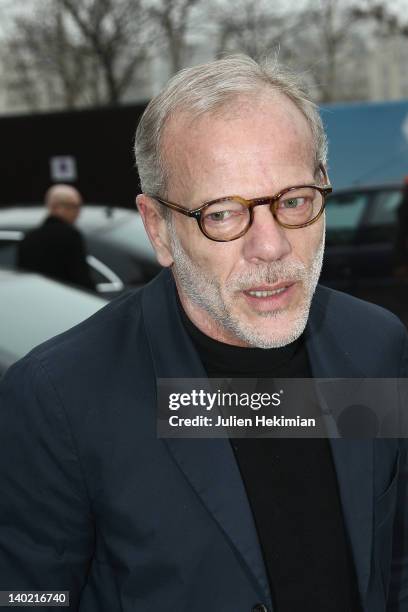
pixel 209 464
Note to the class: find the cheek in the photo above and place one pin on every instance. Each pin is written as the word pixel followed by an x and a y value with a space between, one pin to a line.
pixel 306 242
pixel 217 259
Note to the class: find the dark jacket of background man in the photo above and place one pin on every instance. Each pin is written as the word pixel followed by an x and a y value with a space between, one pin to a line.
pixel 56 248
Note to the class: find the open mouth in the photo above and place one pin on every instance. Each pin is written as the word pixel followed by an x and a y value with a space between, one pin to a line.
pixel 265 293
pixel 275 296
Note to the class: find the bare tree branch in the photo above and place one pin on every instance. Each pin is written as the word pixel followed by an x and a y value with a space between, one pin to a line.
pixel 172 18
pixel 113 31
pixel 82 51
pixel 327 43
pixel 41 53
pixel 254 28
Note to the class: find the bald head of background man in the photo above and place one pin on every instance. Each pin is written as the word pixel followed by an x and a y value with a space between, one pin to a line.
pixel 63 201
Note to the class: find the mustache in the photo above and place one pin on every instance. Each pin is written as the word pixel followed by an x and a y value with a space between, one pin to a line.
pixel 269 274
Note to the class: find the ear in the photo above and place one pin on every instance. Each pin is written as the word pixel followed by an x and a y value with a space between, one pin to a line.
pixel 156 228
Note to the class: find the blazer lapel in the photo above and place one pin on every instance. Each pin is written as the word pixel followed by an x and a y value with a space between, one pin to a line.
pixel 353 459
pixel 209 464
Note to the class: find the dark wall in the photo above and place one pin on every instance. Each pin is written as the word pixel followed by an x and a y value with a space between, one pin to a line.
pixel 100 141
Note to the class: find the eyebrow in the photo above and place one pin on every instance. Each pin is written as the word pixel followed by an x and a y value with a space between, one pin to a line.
pixel 311 183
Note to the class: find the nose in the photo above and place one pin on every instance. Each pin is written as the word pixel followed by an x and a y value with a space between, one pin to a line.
pixel 266 240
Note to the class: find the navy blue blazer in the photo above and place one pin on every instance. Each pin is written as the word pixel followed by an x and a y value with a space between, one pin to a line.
pixel 94 503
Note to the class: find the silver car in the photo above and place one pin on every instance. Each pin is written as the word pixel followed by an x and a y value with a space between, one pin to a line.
pixel 34 308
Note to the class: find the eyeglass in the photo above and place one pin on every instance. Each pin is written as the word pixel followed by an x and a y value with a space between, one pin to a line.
pixel 230 217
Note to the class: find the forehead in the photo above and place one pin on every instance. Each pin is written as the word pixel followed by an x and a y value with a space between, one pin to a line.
pixel 253 141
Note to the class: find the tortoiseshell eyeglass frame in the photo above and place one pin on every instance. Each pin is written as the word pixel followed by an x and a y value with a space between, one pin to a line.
pixel 272 201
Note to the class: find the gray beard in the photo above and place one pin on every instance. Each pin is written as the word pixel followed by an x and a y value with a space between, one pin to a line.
pixel 205 292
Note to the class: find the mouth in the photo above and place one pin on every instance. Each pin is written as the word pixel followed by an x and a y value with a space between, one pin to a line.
pixel 270 297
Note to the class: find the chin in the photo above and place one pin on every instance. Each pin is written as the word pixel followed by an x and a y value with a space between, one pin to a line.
pixel 275 330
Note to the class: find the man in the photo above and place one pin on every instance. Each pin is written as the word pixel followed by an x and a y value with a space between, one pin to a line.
pixel 56 249
pixel 95 503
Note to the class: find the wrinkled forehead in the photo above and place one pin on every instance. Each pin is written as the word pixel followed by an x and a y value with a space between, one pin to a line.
pixel 235 108
pixel 264 129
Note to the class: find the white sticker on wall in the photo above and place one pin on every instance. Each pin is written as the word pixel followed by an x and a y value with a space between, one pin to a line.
pixel 63 168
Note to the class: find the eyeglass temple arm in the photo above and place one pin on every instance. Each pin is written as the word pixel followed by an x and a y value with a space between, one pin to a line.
pixel 327 184
pixel 184 211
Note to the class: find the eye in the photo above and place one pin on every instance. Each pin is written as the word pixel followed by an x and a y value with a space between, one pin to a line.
pixel 224 211
pixel 293 202
pixel 220 215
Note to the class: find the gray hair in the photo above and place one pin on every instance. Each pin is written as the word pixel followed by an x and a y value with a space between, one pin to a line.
pixel 205 89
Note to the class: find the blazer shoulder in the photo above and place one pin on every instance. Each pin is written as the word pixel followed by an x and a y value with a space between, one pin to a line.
pixel 363 329
pixel 346 309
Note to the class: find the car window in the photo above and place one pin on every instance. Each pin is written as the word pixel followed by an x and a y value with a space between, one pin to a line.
pixel 381 223
pixel 385 207
pixel 8 253
pixel 130 236
pixel 343 216
pixel 125 248
pixel 105 279
pixel 99 277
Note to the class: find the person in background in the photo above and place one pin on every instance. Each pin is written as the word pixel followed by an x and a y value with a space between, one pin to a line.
pixel 56 248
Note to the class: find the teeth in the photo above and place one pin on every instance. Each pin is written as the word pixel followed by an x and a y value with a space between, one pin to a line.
pixel 263 294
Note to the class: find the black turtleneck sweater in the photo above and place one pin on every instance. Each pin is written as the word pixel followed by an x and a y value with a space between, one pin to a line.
pixel 292 490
